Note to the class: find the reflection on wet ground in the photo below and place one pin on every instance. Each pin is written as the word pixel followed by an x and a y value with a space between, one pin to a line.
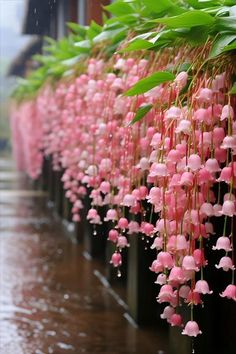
pixel 51 298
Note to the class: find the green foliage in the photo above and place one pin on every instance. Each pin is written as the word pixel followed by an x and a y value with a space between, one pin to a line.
pixel 154 25
pixel 141 112
pixel 150 82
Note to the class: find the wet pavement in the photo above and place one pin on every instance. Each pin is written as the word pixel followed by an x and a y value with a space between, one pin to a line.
pixel 53 298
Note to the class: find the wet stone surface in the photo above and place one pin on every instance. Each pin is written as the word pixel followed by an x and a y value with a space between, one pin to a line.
pixel 51 300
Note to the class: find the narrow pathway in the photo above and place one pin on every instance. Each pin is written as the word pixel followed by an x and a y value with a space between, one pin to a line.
pixel 51 297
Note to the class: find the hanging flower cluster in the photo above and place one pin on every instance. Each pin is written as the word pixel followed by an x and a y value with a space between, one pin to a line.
pixel 171 172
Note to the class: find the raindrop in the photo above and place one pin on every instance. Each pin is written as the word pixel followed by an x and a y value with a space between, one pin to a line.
pixel 37 23
pixel 35 10
pixel 118 273
pixel 94 233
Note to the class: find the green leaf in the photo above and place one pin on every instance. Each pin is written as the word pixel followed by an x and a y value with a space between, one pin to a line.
pixel 229 47
pixel 220 43
pixel 197 4
pixel 149 82
pixel 119 8
pixel 233 90
pixel 158 6
pixel 77 29
pixel 141 112
pixel 188 19
pixel 137 44
pixel 226 23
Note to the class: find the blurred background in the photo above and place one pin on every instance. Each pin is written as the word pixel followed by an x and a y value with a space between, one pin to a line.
pixel 23 23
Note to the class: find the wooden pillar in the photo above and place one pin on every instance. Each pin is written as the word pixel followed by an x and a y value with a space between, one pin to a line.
pixel 95 9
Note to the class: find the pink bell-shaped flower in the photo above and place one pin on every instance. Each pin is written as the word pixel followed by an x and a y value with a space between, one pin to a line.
pixel 165 259
pixel 175 320
pixel 148 229
pixel 199 257
pixel 191 329
pixel 212 165
pixel 113 235
pixel 189 263
pixel 158 243
pixel 181 243
pixel 230 292
pixel 173 113
pixel 227 112
pixel 194 162
pixel 156 266
pixel 116 259
pixel 92 213
pixel 158 170
pixel 161 279
pixel 123 223
pixel 133 227
pixel 229 142
pixel 225 263
pixel 181 80
pixel 176 276
pixel 122 242
pixel 184 127
pixel 105 187
pixel 223 243
pixel 129 200
pixel 202 287
pixel 167 312
pixel 225 175
pixel 166 294
pixel 111 215
pixel 207 209
pixel 186 179
pixel 228 208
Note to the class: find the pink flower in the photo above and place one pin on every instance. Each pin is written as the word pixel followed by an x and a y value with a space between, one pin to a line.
pixel 165 259
pixel 181 80
pixel 129 200
pixel 175 320
pixel 123 223
pixel 188 263
pixel 176 276
pixel 186 179
pixel 191 329
pixel 161 279
pixel 194 162
pixel 166 294
pixel 184 126
pixel 116 259
pixel 167 312
pixel 158 243
pixel 202 287
pixel 227 112
pixel 111 215
pixel 223 243
pixel 229 142
pixel 212 165
pixel 226 264
pixel 226 175
pixel 228 208
pixel 230 292
pixel 158 170
pixel 122 242
pixel 113 235
pixel 133 227
pixel 173 113
pixel 205 95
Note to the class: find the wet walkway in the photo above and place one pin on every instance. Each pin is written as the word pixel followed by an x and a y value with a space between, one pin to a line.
pixel 52 297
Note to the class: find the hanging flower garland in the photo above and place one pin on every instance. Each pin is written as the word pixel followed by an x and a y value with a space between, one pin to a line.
pixel 145 136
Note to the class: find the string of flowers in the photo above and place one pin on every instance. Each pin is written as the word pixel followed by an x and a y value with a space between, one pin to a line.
pixel 178 158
